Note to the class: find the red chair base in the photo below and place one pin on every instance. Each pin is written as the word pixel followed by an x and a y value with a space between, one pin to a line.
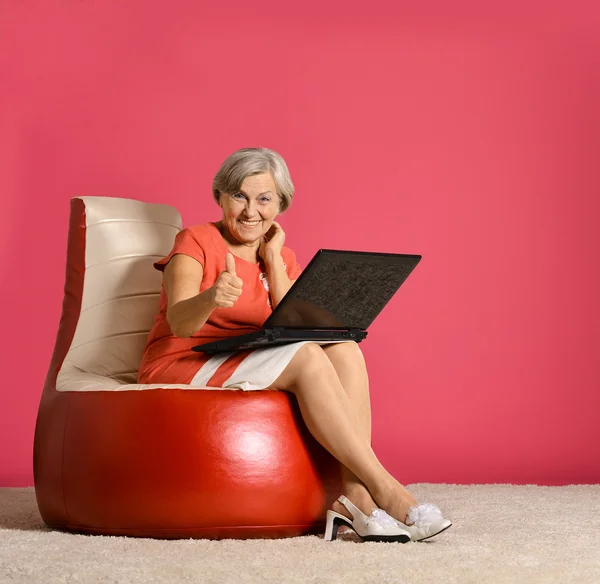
pixel 170 463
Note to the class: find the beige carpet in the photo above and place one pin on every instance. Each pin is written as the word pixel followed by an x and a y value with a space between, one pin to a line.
pixel 501 533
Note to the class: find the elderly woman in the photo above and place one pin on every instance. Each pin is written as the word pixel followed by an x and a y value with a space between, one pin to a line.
pixel 224 279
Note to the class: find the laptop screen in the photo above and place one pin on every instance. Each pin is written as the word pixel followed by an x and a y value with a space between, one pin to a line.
pixel 342 289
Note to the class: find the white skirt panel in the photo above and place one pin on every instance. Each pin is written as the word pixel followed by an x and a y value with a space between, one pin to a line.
pixel 258 370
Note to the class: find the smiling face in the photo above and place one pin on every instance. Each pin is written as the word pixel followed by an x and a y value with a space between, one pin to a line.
pixel 249 213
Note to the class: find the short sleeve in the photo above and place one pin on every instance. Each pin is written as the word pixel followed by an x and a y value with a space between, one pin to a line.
pixel 187 243
pixel 292 268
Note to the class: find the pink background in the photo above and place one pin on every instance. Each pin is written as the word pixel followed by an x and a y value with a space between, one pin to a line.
pixel 470 135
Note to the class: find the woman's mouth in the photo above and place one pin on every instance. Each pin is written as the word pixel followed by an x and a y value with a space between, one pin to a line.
pixel 248 224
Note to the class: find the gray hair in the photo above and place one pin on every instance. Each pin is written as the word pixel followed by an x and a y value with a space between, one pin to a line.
pixel 249 161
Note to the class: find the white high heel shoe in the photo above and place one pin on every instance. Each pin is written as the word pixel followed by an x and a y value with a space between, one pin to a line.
pixel 426 520
pixel 378 526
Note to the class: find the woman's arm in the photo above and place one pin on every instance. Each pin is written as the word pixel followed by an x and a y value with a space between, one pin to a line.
pixel 270 252
pixel 279 283
pixel 188 310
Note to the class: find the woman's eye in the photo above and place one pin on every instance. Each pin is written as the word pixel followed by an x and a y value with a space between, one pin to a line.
pixel 265 200
pixel 238 196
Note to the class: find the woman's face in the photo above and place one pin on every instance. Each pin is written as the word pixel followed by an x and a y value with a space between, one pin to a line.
pixel 249 213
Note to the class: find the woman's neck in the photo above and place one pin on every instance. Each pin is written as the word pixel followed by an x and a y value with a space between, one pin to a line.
pixel 248 253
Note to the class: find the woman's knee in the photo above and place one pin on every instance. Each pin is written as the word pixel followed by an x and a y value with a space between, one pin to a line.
pixel 308 362
pixel 310 359
pixel 348 353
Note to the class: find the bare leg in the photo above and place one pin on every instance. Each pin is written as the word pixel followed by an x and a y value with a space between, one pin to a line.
pixel 349 364
pixel 331 419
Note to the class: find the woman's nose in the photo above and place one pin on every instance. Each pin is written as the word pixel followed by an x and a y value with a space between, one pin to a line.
pixel 250 208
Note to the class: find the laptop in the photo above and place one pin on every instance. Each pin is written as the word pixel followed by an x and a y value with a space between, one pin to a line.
pixel 336 298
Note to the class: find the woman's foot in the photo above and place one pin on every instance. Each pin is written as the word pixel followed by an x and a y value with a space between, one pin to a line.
pixel 399 501
pixel 423 521
pixel 378 526
pixel 360 496
pixel 395 499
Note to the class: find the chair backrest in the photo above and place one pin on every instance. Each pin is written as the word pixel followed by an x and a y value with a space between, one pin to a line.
pixel 121 288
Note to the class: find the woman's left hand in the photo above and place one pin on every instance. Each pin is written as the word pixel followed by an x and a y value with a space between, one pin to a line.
pixel 272 244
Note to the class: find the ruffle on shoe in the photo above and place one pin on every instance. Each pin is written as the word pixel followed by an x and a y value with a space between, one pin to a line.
pixel 423 515
pixel 382 518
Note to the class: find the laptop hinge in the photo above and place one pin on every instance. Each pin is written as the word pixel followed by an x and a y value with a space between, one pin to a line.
pixel 359 334
pixel 276 332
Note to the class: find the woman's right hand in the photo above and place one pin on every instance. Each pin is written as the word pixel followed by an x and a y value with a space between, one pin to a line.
pixel 228 287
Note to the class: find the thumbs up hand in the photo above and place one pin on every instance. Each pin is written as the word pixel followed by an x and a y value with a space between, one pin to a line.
pixel 228 287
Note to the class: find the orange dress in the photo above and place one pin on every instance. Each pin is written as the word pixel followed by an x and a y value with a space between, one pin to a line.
pixel 169 359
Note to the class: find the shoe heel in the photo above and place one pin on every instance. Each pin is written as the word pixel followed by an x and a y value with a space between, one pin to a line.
pixel 334 522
